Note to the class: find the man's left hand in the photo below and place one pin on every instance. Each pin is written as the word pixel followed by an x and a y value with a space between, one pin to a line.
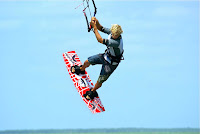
pixel 93 24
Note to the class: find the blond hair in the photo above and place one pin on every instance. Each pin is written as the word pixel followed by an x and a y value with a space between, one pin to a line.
pixel 116 30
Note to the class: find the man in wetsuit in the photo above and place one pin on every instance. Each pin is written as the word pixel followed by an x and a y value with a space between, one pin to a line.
pixel 109 60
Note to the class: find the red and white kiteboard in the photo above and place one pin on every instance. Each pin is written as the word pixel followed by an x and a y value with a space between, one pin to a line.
pixel 82 82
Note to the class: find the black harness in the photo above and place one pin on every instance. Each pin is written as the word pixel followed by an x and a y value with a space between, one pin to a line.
pixel 116 59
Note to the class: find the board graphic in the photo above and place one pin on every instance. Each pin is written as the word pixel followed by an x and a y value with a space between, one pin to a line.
pixel 82 82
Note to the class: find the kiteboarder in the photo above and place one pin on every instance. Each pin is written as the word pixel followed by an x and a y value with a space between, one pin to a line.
pixel 109 60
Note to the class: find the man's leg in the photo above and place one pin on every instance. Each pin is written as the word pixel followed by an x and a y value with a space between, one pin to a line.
pixel 97 86
pixel 85 65
pixel 101 79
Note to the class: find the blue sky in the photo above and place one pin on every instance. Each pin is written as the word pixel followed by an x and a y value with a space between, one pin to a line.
pixel 156 86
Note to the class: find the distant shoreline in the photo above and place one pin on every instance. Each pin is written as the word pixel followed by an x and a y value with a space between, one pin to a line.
pixel 102 130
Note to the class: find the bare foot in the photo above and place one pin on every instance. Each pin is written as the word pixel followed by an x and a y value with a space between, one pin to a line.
pixel 87 97
pixel 73 69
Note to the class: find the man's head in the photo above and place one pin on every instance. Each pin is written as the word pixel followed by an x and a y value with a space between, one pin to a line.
pixel 116 31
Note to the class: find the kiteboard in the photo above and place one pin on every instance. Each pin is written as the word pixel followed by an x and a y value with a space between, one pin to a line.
pixel 82 82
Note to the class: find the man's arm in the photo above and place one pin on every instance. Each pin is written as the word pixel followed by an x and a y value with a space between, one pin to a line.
pixel 93 23
pixel 98 36
pixel 99 26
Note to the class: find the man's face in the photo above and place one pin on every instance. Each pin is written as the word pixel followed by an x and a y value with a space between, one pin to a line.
pixel 115 36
